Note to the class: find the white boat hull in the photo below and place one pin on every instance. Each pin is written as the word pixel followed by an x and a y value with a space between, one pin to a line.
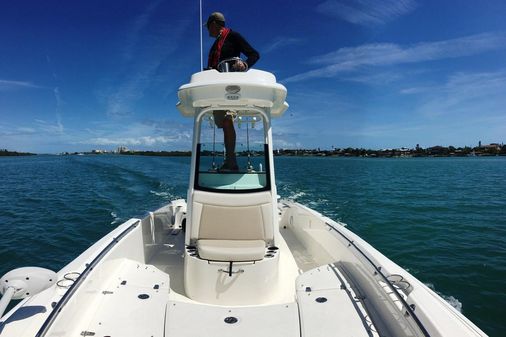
pixel 331 283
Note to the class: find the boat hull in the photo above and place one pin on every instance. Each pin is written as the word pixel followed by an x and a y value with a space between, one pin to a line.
pixel 330 281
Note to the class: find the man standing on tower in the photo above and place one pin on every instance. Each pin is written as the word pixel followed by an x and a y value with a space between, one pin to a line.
pixel 228 44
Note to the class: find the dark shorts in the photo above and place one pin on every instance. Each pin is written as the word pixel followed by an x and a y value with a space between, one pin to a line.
pixel 219 116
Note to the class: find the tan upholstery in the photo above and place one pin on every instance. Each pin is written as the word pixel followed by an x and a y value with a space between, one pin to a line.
pixel 231 250
pixel 212 212
pixel 231 223
pixel 232 233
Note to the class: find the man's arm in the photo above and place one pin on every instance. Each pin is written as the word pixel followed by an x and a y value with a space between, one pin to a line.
pixel 245 48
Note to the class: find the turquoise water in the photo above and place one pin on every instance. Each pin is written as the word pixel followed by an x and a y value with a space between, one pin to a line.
pixel 444 219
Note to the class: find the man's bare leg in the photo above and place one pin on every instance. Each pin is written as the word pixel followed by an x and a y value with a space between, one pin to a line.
pixel 229 139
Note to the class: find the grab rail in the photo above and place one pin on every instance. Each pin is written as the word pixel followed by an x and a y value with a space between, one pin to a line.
pixel 409 310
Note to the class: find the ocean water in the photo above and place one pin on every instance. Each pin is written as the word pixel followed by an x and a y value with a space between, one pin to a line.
pixel 443 219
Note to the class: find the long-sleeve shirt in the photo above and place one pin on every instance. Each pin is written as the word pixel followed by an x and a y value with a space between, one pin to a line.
pixel 233 46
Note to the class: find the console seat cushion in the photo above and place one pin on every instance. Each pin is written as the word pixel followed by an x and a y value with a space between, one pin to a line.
pixel 231 250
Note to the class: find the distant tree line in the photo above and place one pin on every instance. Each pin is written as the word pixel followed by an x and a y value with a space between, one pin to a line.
pixel 435 151
pixel 5 153
pixel 158 153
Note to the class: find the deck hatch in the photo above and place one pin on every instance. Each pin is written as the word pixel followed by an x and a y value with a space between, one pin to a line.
pixel 73 288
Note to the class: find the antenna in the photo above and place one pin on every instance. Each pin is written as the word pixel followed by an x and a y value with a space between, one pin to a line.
pixel 201 52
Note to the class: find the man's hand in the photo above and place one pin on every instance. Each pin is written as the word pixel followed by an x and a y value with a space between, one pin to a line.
pixel 239 66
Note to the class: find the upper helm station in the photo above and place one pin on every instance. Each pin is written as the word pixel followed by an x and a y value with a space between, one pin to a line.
pixel 249 100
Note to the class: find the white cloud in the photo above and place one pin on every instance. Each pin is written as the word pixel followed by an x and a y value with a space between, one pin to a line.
pixel 150 133
pixel 414 90
pixel 33 136
pixel 139 76
pixel 279 43
pixel 57 96
pixel 385 130
pixel 147 47
pixel 280 143
pixel 380 78
pixel 467 95
pixel 366 12
pixel 6 85
pixel 389 53
pixel 26 130
pixel 138 26
pixel 383 54
pixel 49 128
pixel 132 141
pixel 9 131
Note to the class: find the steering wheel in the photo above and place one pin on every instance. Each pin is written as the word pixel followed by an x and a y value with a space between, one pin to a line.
pixel 227 65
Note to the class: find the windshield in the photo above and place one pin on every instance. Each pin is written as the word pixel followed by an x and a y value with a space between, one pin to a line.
pixel 232 153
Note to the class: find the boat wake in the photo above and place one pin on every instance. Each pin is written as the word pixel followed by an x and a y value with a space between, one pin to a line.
pixel 116 218
pixel 454 302
pixel 164 195
pixel 296 195
pixel 322 205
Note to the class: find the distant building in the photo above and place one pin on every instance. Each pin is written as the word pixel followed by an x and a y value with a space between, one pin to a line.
pixel 492 146
pixel 122 149
pixel 98 151
pixel 437 151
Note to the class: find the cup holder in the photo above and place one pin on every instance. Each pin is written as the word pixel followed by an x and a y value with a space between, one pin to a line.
pixel 191 250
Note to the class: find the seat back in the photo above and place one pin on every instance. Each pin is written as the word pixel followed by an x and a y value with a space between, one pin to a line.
pixel 232 217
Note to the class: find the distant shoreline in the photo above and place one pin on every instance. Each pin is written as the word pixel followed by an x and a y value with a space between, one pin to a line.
pixel 5 153
pixel 436 151
pixel 490 150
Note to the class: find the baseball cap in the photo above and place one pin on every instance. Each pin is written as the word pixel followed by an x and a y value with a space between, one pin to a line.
pixel 216 16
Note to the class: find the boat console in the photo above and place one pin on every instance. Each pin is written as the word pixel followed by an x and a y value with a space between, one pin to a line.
pixel 232 219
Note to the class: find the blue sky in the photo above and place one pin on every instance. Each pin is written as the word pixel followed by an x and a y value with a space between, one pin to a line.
pixel 81 75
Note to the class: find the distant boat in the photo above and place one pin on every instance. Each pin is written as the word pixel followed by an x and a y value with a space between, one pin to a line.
pixel 233 260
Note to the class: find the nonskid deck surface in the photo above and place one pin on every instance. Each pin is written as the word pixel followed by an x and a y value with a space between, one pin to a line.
pixel 329 306
pixel 143 300
pixel 303 258
pixel 168 258
pixel 131 304
pixel 196 320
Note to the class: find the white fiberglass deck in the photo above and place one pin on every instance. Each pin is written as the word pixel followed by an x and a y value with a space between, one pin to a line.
pixel 132 303
pixel 138 290
pixel 143 300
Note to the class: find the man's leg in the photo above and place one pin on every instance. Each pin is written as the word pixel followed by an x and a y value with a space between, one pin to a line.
pixel 229 139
